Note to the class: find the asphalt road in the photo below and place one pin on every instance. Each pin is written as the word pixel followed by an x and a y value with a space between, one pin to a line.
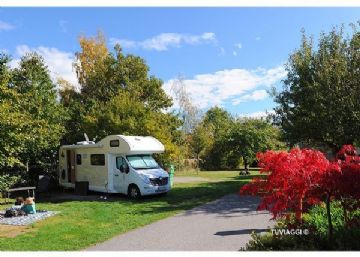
pixel 222 225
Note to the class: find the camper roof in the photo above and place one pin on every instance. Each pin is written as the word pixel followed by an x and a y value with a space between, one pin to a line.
pixel 126 145
pixel 133 144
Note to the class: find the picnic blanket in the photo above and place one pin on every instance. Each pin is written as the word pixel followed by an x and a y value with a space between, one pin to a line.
pixel 26 220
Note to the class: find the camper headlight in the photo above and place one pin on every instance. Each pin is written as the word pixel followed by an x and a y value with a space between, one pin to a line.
pixel 145 178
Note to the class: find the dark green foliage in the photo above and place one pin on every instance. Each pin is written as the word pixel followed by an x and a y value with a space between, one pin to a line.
pixel 219 122
pixel 31 119
pixel 118 96
pixel 228 141
pixel 6 182
pixel 320 101
pixel 248 137
pixel 345 237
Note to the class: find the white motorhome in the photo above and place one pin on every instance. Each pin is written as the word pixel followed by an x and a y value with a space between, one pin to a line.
pixel 115 164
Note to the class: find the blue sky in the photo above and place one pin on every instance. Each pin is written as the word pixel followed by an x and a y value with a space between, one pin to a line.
pixel 227 56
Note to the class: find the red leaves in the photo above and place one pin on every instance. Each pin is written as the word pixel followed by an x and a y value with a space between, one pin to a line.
pixel 346 150
pixel 304 176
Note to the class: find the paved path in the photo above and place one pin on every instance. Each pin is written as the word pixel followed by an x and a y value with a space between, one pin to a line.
pixel 222 225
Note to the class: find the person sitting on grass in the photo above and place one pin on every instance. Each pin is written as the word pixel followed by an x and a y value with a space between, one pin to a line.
pixel 19 201
pixel 29 206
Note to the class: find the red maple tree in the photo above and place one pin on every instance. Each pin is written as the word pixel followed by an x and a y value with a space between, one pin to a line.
pixel 306 176
pixel 291 178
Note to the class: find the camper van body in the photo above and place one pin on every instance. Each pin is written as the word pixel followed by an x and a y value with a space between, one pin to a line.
pixel 115 164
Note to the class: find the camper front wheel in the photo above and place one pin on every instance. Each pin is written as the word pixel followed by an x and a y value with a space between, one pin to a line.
pixel 134 192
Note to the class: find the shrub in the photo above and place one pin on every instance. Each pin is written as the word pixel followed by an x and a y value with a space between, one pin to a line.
pixel 345 238
pixel 7 181
pixel 303 177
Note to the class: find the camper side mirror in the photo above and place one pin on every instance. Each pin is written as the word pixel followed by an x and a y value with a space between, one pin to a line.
pixel 124 168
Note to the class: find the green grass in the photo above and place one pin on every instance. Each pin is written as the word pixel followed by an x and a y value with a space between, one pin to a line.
pixel 83 223
pixel 216 175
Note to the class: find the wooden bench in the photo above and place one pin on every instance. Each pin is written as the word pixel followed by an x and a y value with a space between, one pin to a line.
pixel 28 189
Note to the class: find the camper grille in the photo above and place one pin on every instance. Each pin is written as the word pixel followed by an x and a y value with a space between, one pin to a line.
pixel 159 181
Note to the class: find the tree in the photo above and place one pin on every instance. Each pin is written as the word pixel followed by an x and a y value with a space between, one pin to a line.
pixel 320 101
pixel 31 119
pixel 201 140
pixel 117 96
pixel 305 176
pixel 342 182
pixel 103 74
pixel 220 122
pixel 124 114
pixel 188 111
pixel 292 176
pixel 13 122
pixel 39 100
pixel 250 136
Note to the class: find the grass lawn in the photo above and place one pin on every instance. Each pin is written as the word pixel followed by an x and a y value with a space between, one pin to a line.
pixel 216 175
pixel 83 223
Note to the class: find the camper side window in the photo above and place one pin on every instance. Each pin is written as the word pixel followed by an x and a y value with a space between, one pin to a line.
pixel 78 159
pixel 120 161
pixel 114 143
pixel 97 159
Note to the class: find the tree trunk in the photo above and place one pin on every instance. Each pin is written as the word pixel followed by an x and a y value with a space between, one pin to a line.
pixel 197 163
pixel 346 216
pixel 328 213
pixel 300 211
pixel 246 164
pixel 246 167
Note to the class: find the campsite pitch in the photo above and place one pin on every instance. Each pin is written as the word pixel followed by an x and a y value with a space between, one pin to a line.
pixel 86 221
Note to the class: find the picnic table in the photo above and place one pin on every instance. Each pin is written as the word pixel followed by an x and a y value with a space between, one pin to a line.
pixel 28 189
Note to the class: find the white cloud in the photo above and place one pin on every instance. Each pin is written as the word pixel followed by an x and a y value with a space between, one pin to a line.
pixel 6 26
pixel 212 89
pixel 256 95
pixel 234 53
pixel 58 62
pixel 238 45
pixel 164 41
pixel 257 115
pixel 257 38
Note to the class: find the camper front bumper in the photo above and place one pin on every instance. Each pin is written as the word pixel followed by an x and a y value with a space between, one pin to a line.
pixel 150 189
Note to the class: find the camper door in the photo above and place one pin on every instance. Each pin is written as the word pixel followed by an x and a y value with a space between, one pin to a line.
pixel 71 169
pixel 120 175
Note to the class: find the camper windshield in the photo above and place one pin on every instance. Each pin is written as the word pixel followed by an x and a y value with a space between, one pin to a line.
pixel 142 162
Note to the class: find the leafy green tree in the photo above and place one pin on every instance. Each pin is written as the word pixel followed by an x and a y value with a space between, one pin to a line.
pixel 220 122
pixel 201 140
pixel 247 137
pixel 39 100
pixel 13 122
pixel 320 101
pixel 31 119
pixel 103 74
pixel 117 96
pixel 124 114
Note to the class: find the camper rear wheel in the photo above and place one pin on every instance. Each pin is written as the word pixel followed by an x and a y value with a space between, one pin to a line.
pixel 134 192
